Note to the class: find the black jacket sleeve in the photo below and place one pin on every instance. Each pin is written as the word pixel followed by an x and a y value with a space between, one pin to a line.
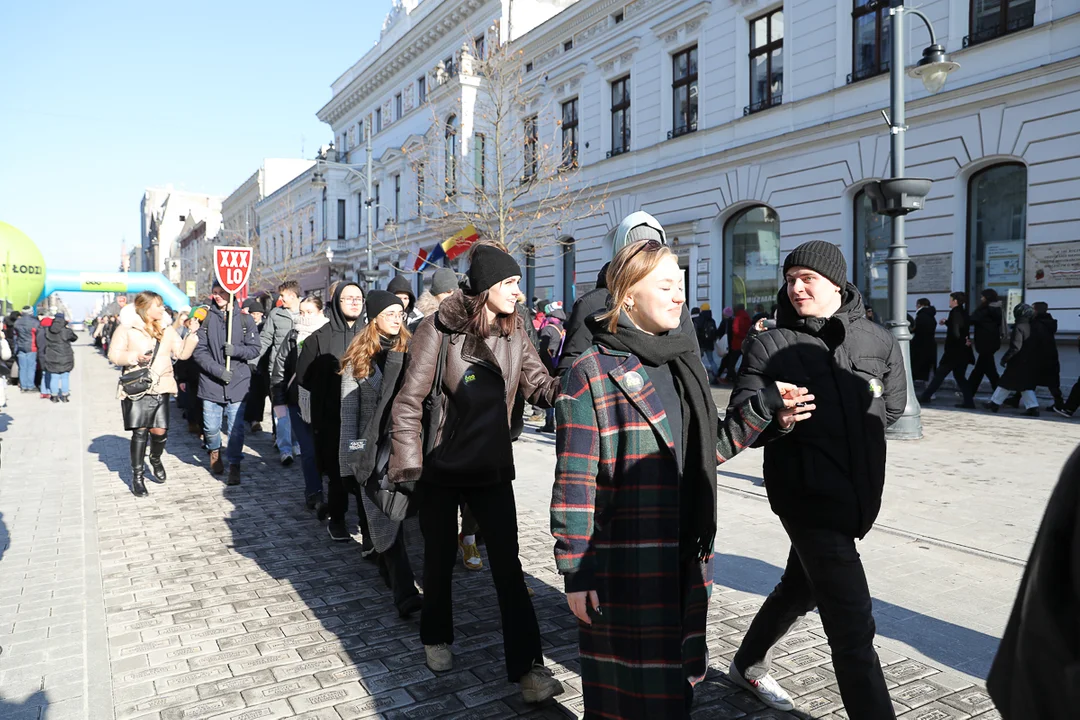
pixel 578 336
pixel 753 378
pixel 895 384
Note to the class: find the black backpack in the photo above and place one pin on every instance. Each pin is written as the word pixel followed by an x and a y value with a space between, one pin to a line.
pixel 706 333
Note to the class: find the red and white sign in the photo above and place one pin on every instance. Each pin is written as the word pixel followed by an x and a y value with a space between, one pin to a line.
pixel 233 267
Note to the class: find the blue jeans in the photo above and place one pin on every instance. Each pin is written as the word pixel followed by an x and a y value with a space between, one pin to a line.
pixel 27 370
pixel 46 382
pixel 60 383
pixel 283 429
pixel 708 359
pixel 213 414
pixel 303 435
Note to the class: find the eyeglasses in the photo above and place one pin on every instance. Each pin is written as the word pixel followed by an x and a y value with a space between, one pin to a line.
pixel 352 300
pixel 395 315
pixel 647 246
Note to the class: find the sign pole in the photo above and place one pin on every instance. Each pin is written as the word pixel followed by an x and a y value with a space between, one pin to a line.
pixel 228 331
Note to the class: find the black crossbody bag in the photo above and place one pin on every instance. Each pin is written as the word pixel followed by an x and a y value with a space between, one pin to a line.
pixel 136 383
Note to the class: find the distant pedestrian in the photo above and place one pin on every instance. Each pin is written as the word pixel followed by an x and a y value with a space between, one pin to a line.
pixel 58 358
pixel 224 380
pixel 144 339
pixel 26 346
pixel 276 328
pixel 957 355
pixel 740 328
pixel 706 337
pixel 41 378
pixel 259 388
pixel 399 285
pixel 989 329
pixel 633 509
pixel 1047 361
pixel 285 390
pixel 7 360
pixel 441 285
pixel 825 478
pixel 1034 674
pixel 924 340
pixel 552 340
pixel 1021 365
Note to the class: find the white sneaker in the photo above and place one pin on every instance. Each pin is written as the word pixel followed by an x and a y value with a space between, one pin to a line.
pixel 766 689
pixel 439 658
pixel 539 685
pixel 286 459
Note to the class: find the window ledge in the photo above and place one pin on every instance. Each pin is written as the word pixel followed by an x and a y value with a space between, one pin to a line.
pixel 998 31
pixel 679 132
pixel 763 105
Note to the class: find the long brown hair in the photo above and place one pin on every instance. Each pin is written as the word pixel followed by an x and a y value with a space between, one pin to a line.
pixel 631 265
pixel 477 322
pixel 143 302
pixel 360 355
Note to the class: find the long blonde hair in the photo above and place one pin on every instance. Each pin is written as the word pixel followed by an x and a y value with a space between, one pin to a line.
pixel 360 355
pixel 143 302
pixel 631 265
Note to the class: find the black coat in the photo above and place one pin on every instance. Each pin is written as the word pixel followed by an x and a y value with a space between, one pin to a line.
pixel 318 365
pixel 1019 360
pixel 210 355
pixel 986 321
pixel 957 351
pixel 1036 673
pixel 58 355
pixel 1044 339
pixel 25 327
pixel 924 343
pixel 829 471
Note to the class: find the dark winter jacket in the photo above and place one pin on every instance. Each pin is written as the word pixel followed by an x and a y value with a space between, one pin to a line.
pixel 59 356
pixel 705 327
pixel 210 355
pixel 1036 673
pixel 957 351
pixel 318 366
pixel 924 343
pixel 551 342
pixel 284 390
pixel 829 471
pixel 480 382
pixel 1020 360
pixel 1044 339
pixel 986 321
pixel 25 327
pixel 365 415
pixel 401 284
pixel 278 324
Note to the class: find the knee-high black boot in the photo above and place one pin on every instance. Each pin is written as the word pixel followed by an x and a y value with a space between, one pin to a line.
pixel 157 447
pixel 138 454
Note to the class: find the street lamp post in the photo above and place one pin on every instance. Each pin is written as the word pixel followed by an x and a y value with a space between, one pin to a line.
pixel 318 179
pixel 899 195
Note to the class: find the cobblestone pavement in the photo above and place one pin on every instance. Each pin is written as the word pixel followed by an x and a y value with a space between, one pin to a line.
pixel 204 601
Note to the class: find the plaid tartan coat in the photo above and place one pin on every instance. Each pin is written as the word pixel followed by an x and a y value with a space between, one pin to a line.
pixel 615 519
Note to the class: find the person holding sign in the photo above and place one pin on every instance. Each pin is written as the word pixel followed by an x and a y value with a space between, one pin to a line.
pixel 226 336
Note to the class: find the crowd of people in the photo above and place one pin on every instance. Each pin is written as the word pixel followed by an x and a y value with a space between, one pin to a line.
pixel 37 354
pixel 407 408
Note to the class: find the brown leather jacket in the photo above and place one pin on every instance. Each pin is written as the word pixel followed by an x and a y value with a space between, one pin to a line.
pixel 481 378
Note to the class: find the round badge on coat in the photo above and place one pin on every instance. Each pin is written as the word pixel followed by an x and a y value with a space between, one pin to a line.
pixel 634 381
pixel 877 388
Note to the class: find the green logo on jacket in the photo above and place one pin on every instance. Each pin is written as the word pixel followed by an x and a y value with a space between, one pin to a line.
pixel 469 378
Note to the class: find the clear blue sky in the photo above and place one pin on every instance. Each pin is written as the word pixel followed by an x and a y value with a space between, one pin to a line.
pixel 101 100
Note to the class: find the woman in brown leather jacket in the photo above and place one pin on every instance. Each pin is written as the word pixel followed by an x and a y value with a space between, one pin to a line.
pixel 488 358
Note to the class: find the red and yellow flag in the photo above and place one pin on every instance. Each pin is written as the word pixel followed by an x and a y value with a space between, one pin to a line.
pixel 459 242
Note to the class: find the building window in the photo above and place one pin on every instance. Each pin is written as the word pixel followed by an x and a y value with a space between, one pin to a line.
pixel 870 49
pixel 619 17
pixel 568 45
pixel 997 231
pixel 684 88
pixel 479 168
pixel 360 131
pixel 569 270
pixel 397 106
pixel 340 221
pixel 375 203
pixel 569 134
pixel 530 273
pixel 478 47
pixel 620 116
pixel 529 67
pixel 993 18
pixel 451 155
pixel 419 188
pixel 766 61
pixel 448 63
pixel 752 259
pixel 378 120
pixel 421 89
pixel 397 197
pixel 531 155
pixel 873 235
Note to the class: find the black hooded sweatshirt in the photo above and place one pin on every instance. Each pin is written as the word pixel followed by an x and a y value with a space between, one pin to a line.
pixel 318 366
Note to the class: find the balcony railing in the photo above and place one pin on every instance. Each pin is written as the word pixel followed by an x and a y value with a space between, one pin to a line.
pixel 683 130
pixel 995 31
pixel 868 72
pixel 763 104
pixel 619 151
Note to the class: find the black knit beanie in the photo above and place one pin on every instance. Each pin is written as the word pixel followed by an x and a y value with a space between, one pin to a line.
pixel 822 257
pixel 488 266
pixel 379 300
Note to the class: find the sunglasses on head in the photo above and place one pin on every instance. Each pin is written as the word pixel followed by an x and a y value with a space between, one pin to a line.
pixel 647 246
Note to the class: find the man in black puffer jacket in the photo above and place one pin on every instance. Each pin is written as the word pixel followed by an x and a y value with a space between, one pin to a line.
pixel 825 477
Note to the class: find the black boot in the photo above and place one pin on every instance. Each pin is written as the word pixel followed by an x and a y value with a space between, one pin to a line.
pixel 138 454
pixel 157 447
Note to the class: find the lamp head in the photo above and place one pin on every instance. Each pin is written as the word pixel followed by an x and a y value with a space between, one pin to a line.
pixel 329 254
pixel 933 68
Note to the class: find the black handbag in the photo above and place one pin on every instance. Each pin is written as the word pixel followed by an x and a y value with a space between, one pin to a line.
pixel 137 383
pixel 433 403
pixel 392 498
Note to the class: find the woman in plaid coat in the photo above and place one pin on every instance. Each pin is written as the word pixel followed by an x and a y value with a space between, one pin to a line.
pixel 633 509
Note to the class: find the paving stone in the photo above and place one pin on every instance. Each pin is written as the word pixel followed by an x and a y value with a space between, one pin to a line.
pixel 280 690
pixel 208 708
pixel 327 697
pixel 236 684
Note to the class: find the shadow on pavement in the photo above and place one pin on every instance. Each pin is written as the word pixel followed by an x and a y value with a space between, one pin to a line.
pixel 112 452
pixel 31 707
pixel 5 536
pixel 943 642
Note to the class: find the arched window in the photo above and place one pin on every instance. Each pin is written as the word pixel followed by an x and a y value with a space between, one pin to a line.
pixel 451 155
pixel 873 235
pixel 997 230
pixel 569 270
pixel 752 258
pixel 530 274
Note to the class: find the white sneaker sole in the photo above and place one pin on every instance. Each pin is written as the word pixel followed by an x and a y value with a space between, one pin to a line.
pixel 532 697
pixel 737 678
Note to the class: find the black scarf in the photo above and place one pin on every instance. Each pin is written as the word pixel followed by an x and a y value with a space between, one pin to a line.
pixel 385 343
pixel 341 333
pixel 679 352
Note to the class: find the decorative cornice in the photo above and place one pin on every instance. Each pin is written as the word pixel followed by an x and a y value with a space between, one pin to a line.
pixel 630 45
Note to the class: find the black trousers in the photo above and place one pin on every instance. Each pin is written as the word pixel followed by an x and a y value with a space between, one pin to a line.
pixel 397 569
pixel 256 398
pixel 1073 403
pixel 948 366
pixel 824 571
pixel 339 488
pixel 729 364
pixel 985 365
pixel 496 512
